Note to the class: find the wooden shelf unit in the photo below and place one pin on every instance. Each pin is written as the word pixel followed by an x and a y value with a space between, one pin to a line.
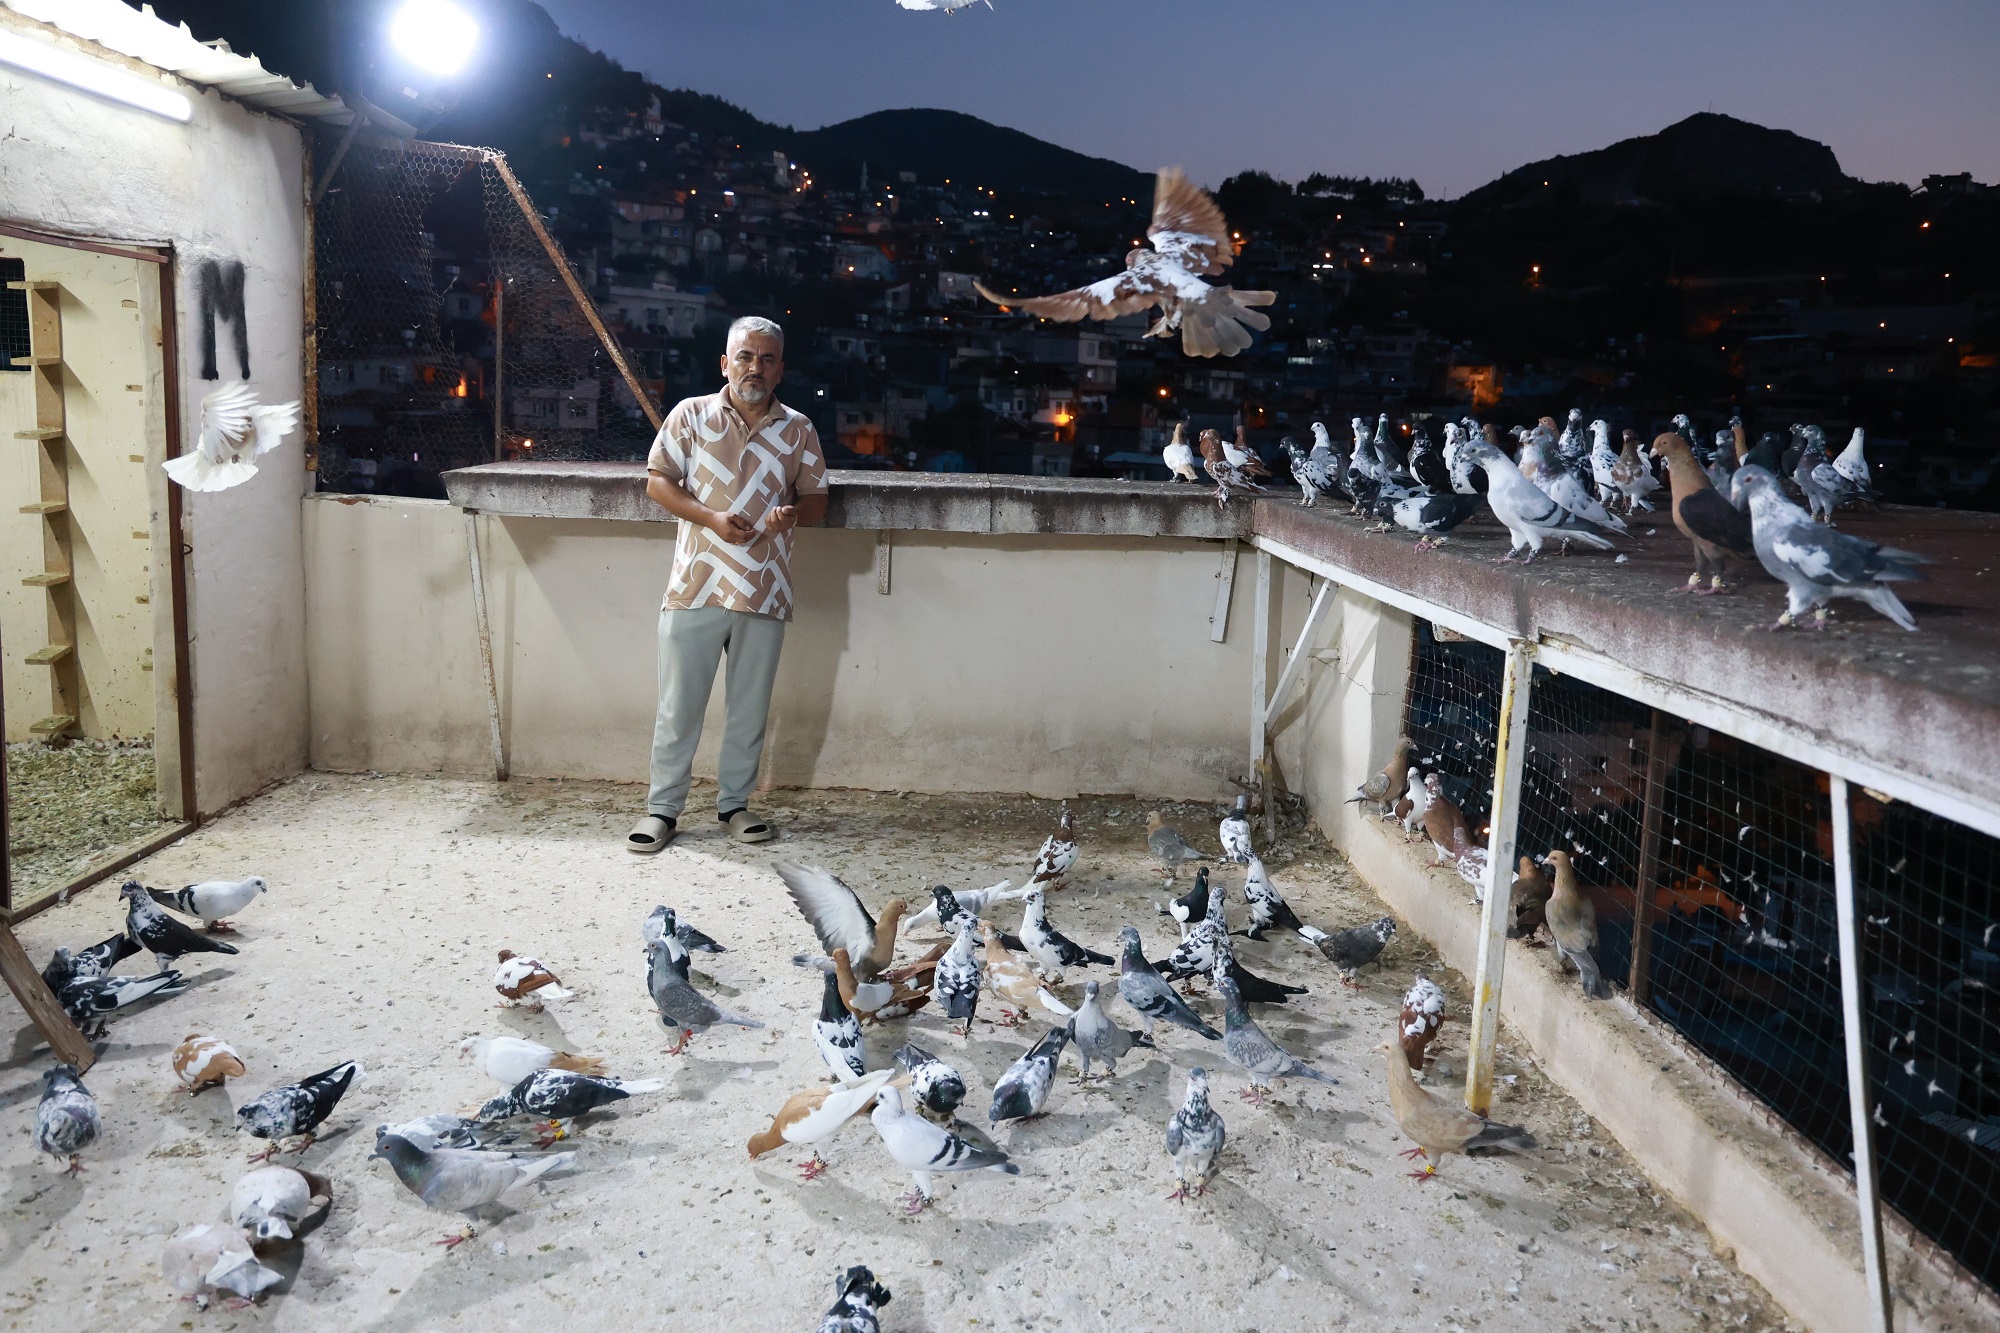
pixel 50 441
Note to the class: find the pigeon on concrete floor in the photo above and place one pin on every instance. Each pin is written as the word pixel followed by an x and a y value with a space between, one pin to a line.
pixel 522 979
pixel 684 1011
pixel 1354 948
pixel 1148 992
pixel 297 1109
pixel 1267 906
pixel 1195 953
pixel 947 906
pixel 1191 906
pixel 858 1297
pixel 557 1095
pixel 1010 978
pixel 1023 1090
pixel 1050 948
pixel 1440 1126
pixel 454 1181
pixel 1195 1136
pixel 1250 1050
pixel 1098 1038
pixel 1572 924
pixel 168 938
pixel 96 961
pixel 664 920
pixel 1234 831
pixel 935 1086
pixel 66 1119
pixel 837 1033
pixel 1817 564
pixel 212 1257
pixel 508 1060
pixel 1423 1014
pixel 813 1115
pixel 1058 854
pixel 1253 988
pixel 1168 846
pixel 959 978
pixel 272 1202
pixel 202 1062
pixel 213 901
pixel 91 1001
pixel 925 1150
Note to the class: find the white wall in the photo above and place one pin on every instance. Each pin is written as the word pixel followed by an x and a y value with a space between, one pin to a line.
pixel 226 186
pixel 1051 665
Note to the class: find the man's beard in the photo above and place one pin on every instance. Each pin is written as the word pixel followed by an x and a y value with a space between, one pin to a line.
pixel 752 394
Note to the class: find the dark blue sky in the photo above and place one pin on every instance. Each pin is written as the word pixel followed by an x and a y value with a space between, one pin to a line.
pixel 1449 91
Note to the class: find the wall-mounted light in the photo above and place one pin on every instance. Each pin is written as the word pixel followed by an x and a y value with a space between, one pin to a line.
pixel 434 35
pixel 93 76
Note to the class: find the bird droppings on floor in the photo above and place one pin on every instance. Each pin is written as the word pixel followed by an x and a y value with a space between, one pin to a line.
pixel 391 897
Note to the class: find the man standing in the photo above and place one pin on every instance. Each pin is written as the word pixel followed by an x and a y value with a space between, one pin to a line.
pixel 739 470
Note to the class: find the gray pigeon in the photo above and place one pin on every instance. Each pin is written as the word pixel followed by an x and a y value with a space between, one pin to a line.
pixel 925 1150
pixel 684 1010
pixel 1528 513
pixel 937 1087
pixel 1168 845
pixel 663 920
pixel 1098 1038
pixel 857 1305
pixel 1253 1052
pixel 66 1120
pixel 1024 1089
pixel 1148 992
pixel 167 937
pixel 1195 1137
pixel 1353 948
pixel 1817 564
pixel 454 1181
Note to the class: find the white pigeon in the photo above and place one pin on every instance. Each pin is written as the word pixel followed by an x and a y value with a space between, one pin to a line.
pixel 1190 240
pixel 1179 455
pixel 210 1257
pixel 214 901
pixel 272 1201
pixel 508 1060
pixel 1852 462
pixel 1528 513
pixel 234 430
pixel 923 1149
pixel 974 901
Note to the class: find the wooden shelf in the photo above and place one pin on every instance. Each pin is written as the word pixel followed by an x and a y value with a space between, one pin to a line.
pixel 50 655
pixel 45 433
pixel 55 578
pixel 35 285
pixel 46 507
pixel 52 726
pixel 23 362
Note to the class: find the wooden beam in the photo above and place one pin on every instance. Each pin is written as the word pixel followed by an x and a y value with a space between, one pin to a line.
pixel 1295 664
pixel 43 1010
pixel 1218 623
pixel 1496 913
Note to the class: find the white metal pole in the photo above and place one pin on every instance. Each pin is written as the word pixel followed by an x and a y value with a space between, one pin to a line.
pixel 1881 1309
pixel 1260 648
pixel 1500 843
pixel 485 642
pixel 1295 664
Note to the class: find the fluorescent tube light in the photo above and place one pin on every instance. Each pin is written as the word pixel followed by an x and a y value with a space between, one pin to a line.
pixel 93 76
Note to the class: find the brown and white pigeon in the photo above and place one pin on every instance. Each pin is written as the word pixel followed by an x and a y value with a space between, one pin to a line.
pixel 525 980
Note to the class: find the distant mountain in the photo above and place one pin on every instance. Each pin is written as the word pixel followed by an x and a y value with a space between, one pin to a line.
pixel 1705 156
pixel 948 145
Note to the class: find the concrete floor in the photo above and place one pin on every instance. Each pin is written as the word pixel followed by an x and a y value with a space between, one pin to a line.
pixel 389 899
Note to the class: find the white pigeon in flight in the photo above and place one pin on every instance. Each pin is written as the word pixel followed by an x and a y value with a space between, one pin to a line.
pixel 234 430
pixel 1190 240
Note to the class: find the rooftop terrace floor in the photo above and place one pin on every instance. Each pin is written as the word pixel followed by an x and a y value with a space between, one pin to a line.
pixel 389 898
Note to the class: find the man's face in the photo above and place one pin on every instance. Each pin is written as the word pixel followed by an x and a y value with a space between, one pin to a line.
pixel 753 365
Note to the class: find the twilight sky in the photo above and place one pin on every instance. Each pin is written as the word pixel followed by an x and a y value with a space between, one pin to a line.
pixel 1453 92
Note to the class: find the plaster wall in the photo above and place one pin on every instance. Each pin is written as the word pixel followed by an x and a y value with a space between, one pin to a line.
pixel 1045 664
pixel 227 186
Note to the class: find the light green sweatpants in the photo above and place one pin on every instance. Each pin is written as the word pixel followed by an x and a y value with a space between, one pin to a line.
pixel 692 644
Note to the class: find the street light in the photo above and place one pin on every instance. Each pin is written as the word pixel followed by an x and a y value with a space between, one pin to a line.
pixel 434 35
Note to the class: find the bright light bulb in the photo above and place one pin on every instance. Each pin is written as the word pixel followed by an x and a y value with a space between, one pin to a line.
pixel 434 35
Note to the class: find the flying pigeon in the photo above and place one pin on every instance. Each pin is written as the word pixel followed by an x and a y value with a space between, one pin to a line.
pixel 1191 240
pixel 1168 846
pixel 1014 981
pixel 65 967
pixel 858 1297
pixel 1225 474
pixel 936 1087
pixel 1195 1136
pixel 664 920
pixel 1178 455
pixel 1423 1014
pixel 1572 923
pixel 234 430
pixel 1379 790
pixel 212 1257
pixel 1717 529
pixel 273 1202
pixel 1148 992
pixel 837 917
pixel 214 901
pixel 947 904
pixel 1438 1125
pixel 66 1119
pixel 452 1180
pixel 959 977
pixel 684 1011
pixel 1817 564
pixel 296 1110
pixel 557 1095
pixel 521 977
pixel 202 1062
pixel 837 1034
pixel 168 938
pixel 1353 948
pixel 508 1060
pixel 1234 831
pixel 1058 854
pixel 1250 1050
pixel 1024 1089
pixel 1050 948
pixel 90 1001
pixel 925 1150
pixel 812 1116
pixel 1528 513
pixel 1097 1038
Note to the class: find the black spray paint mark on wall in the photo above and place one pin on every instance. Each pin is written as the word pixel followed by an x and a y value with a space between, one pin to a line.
pixel 221 287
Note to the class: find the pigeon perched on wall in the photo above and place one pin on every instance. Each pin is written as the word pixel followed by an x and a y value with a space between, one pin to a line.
pixel 858 1297
pixel 91 1001
pixel 558 1096
pixel 508 1060
pixel 1440 1126
pixel 1354 948
pixel 1242 457
pixel 452 1180
pixel 935 1086
pixel 524 980
pixel 1603 461
pixel 1148 992
pixel 1190 241
pixel 1050 948
pixel 296 1110
pixel 1379 790
pixel 1250 1049
pixel 684 1011
pixel 1058 853
pixel 1529 900
pixel 1195 1137
pixel 1633 475
pixel 235 428
pixel 1817 564
pixel 1851 464
pixel 925 1150
pixel 1234 831
pixel 1528 513
pixel 214 901
pixel 66 1118
pixel 813 1115
pixel 1572 924
pixel 273 1202
pixel 1098 1039
pixel 96 961
pixel 1427 464
pixel 211 1257
pixel 153 929
pixel 1444 822
pixel 1225 474
pixel 1169 848
pixel 202 1062
pixel 1023 1090
pixel 1556 480
pixel 959 978
pixel 1416 803
pixel 1314 476
pixel 1717 529
pixel 1432 516
pixel 1179 456
pixel 1423 1014
pixel 837 1033
pixel 1814 475
pixel 1466 478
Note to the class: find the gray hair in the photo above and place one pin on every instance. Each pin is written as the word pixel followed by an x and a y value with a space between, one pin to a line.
pixel 756 324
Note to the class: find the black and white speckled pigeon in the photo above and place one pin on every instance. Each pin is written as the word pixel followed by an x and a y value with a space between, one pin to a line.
pixel 1023 1090
pixel 1168 846
pixel 1050 948
pixel 1817 564
pixel 1315 476
pixel 1058 853
pixel 948 908
pixel 296 1109
pixel 1234 831
pixel 1353 948
pixel 445 1130
pixel 558 1095
pixel 664 920
pixel 935 1086
pixel 1195 1137
pixel 959 976
pixel 1098 1038
pixel 213 901
pixel 90 1001
pixel 857 1305
pixel 1193 956
pixel 65 967
pixel 1268 907
pixel 684 1011
pixel 925 1150
pixel 1253 988
pixel 167 937
pixel 66 1119
pixel 837 1033
pixel 1148 992
pixel 1250 1050
pixel 452 1181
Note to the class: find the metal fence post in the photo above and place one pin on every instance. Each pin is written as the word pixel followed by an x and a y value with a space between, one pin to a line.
pixel 1260 651
pixel 1881 1309
pixel 1495 913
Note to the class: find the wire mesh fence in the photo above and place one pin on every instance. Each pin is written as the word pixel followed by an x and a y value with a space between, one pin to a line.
pixel 1452 717
pixel 446 334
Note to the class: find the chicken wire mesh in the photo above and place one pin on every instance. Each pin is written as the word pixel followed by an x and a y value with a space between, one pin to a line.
pixel 1452 717
pixel 446 335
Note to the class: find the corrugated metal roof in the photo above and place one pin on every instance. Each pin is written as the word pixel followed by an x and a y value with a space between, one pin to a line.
pixel 138 33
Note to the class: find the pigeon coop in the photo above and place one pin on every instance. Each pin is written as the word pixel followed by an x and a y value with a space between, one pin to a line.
pixel 1712 866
